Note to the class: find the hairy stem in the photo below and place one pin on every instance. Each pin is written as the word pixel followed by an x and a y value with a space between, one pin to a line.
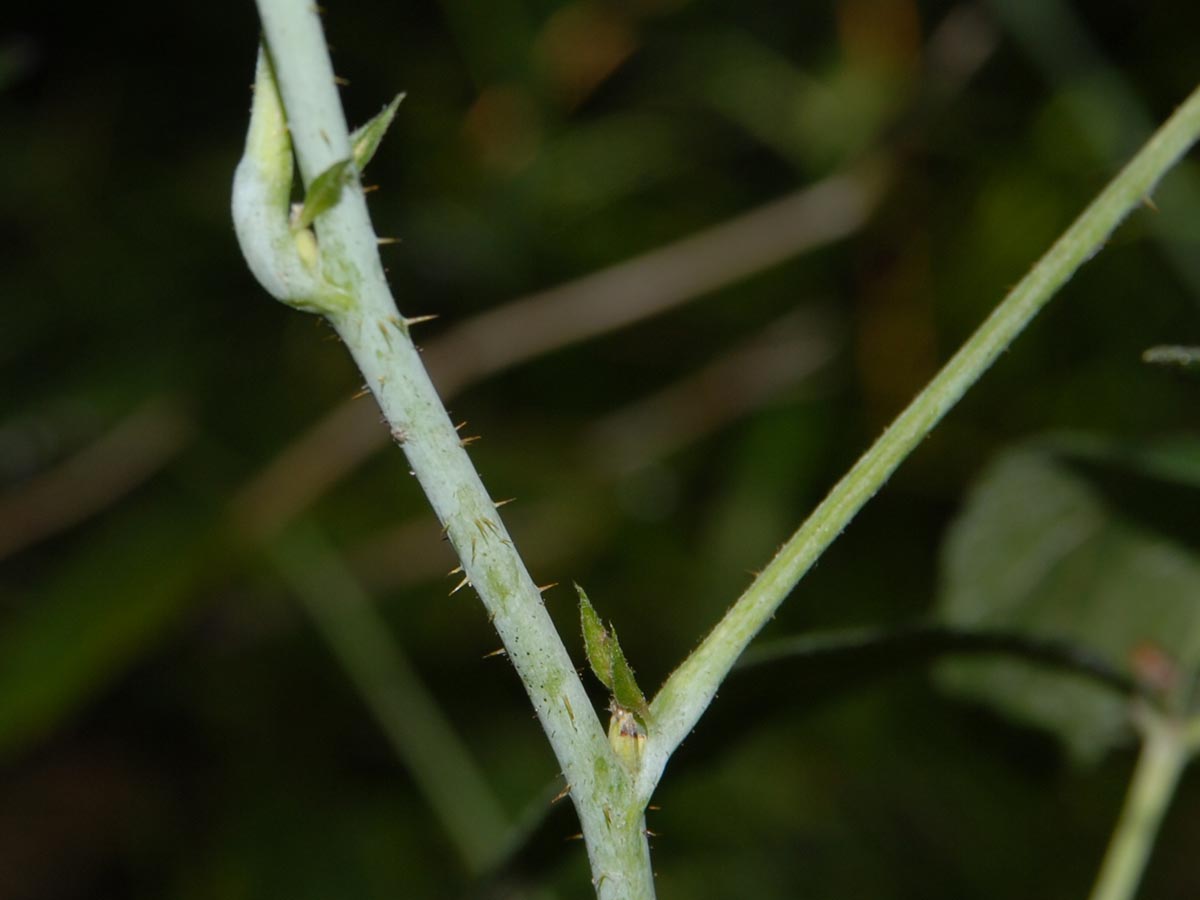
pixel 377 337
pixel 691 687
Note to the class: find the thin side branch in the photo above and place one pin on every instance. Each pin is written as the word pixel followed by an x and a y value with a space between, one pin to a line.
pixel 689 690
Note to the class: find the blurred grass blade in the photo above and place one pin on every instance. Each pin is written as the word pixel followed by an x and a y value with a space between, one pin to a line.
pixel 100 610
pixel 425 741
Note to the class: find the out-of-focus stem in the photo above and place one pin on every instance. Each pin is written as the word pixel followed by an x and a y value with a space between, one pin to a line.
pixel 1164 755
pixel 442 767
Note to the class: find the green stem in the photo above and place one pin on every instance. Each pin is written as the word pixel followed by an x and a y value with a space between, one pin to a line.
pixel 691 687
pixel 378 339
pixel 1164 755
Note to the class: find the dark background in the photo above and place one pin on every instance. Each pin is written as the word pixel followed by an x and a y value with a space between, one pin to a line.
pixel 172 721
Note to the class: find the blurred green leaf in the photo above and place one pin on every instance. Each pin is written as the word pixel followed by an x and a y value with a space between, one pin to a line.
pixel 598 163
pixel 18 56
pixel 1171 459
pixel 751 84
pixel 98 612
pixel 1039 550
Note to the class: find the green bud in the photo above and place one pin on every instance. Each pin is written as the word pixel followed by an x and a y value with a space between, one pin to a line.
pixel 608 661
pixel 627 737
pixel 596 641
pixel 306 246
pixel 283 258
pixel 625 687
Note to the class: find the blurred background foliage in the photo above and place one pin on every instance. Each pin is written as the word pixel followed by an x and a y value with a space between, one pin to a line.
pixel 688 259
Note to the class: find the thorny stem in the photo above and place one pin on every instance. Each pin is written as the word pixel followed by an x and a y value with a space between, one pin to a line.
pixel 609 805
pixel 691 687
pixel 377 337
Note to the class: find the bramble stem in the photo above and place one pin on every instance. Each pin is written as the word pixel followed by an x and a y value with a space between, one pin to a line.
pixel 352 291
pixel 691 687
pixel 377 337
